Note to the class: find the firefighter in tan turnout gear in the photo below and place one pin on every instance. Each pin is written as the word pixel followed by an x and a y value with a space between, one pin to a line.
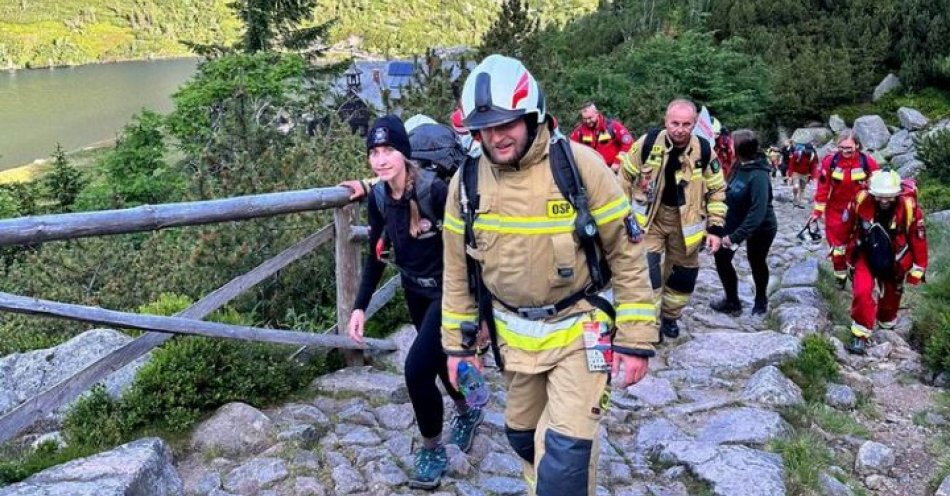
pixel 518 266
pixel 678 195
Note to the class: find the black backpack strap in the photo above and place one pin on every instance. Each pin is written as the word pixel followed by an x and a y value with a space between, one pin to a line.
pixel 648 143
pixel 705 152
pixel 569 183
pixel 424 196
pixel 864 163
pixel 468 206
pixel 609 124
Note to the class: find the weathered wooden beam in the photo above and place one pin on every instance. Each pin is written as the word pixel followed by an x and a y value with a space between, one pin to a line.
pixel 178 325
pixel 37 407
pixel 359 234
pixel 38 229
pixel 347 274
pixel 380 298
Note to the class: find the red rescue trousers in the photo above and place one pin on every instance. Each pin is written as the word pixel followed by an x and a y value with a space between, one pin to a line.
pixel 835 233
pixel 864 308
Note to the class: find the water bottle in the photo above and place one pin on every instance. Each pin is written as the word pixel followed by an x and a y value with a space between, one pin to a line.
pixel 472 385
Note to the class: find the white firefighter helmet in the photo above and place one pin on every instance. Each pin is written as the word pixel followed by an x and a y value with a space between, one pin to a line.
pixel 498 91
pixel 884 184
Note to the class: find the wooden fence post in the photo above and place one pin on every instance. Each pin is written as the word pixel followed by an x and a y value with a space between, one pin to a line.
pixel 347 274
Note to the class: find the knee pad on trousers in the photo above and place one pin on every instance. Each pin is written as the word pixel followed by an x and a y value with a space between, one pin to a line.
pixel 522 442
pixel 565 466
pixel 654 260
pixel 683 279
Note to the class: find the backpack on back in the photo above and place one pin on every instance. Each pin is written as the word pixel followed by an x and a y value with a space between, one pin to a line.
pixel 422 192
pixel 436 148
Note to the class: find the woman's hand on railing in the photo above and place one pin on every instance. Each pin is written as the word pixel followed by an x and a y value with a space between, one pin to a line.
pixel 356 186
pixel 357 320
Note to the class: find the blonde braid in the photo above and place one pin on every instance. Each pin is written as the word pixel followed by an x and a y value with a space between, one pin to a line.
pixel 415 218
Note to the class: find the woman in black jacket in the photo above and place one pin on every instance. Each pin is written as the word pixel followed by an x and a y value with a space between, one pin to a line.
pixel 406 208
pixel 749 219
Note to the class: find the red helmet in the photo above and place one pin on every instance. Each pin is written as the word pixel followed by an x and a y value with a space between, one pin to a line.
pixel 457 124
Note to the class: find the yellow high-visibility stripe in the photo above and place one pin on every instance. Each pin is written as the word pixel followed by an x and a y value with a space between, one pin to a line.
pixel 714 182
pixel 627 163
pixel 716 208
pixel 611 211
pixel 909 209
pixel 820 207
pixel 694 239
pixel 674 298
pixel 838 174
pixel 858 174
pixel 859 330
pixel 636 312
pixel 453 224
pixel 523 225
pixel 451 320
pixel 557 339
pixel 697 173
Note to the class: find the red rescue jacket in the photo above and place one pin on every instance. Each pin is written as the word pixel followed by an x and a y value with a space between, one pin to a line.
pixel 907 232
pixel 839 180
pixel 608 138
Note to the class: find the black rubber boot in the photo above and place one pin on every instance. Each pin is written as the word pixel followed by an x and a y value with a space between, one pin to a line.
pixel 760 308
pixel 858 345
pixel 727 306
pixel 670 328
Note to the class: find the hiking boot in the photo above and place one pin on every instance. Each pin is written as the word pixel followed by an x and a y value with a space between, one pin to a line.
pixel 727 306
pixel 430 466
pixel 670 328
pixel 858 345
pixel 760 308
pixel 464 426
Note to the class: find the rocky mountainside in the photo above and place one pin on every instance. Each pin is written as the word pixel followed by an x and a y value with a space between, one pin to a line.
pixel 705 421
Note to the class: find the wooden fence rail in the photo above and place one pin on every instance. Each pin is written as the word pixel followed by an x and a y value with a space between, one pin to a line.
pixel 39 229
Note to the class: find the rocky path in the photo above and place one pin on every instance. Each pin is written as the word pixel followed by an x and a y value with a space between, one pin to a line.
pixel 700 423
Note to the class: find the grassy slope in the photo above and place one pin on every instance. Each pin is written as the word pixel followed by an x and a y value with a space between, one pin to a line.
pixel 36 33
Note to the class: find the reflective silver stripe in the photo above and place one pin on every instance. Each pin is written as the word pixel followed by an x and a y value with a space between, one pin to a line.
pixel 901 253
pixel 693 229
pixel 535 328
pixel 638 209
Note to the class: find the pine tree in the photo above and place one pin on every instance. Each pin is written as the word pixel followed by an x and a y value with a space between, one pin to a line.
pixel 63 183
pixel 511 32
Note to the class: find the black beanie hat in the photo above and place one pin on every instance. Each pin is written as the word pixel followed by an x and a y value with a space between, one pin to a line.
pixel 389 131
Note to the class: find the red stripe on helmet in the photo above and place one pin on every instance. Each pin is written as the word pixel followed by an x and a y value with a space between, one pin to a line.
pixel 521 91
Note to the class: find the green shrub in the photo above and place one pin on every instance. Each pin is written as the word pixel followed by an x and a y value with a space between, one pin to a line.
pixel 931 331
pixel 805 456
pixel 64 182
pixel 813 367
pixel 933 195
pixel 933 149
pixel 135 170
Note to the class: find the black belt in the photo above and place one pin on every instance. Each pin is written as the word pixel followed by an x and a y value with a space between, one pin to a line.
pixel 542 312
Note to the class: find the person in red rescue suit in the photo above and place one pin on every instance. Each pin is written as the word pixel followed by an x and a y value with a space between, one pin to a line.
pixel 802 167
pixel 887 245
pixel 607 136
pixel 841 175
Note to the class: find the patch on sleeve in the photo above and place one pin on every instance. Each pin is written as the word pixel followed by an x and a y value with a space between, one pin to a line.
pixel 627 139
pixel 714 166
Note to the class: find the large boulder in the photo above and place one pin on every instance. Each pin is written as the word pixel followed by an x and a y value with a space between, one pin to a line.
pixel 24 375
pixel 872 131
pixel 139 468
pixel 731 470
pixel 804 273
pixel 743 426
pixel 836 123
pixel 941 217
pixel 734 352
pixel 888 84
pixel 770 387
pixel 874 458
pixel 911 119
pixel 818 135
pixel 800 320
pixel 901 142
pixel 911 169
pixel 365 382
pixel 236 429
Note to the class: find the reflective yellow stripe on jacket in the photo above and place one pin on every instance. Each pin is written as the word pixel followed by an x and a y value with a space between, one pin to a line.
pixel 530 226
pixel 537 335
pixel 693 235
pixel 451 320
pixel 637 312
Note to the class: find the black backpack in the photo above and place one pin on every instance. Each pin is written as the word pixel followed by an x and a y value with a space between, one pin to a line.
pixel 436 148
pixel 571 186
pixel 879 251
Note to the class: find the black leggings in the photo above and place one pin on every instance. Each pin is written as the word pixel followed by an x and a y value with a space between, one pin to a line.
pixel 757 249
pixel 425 361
